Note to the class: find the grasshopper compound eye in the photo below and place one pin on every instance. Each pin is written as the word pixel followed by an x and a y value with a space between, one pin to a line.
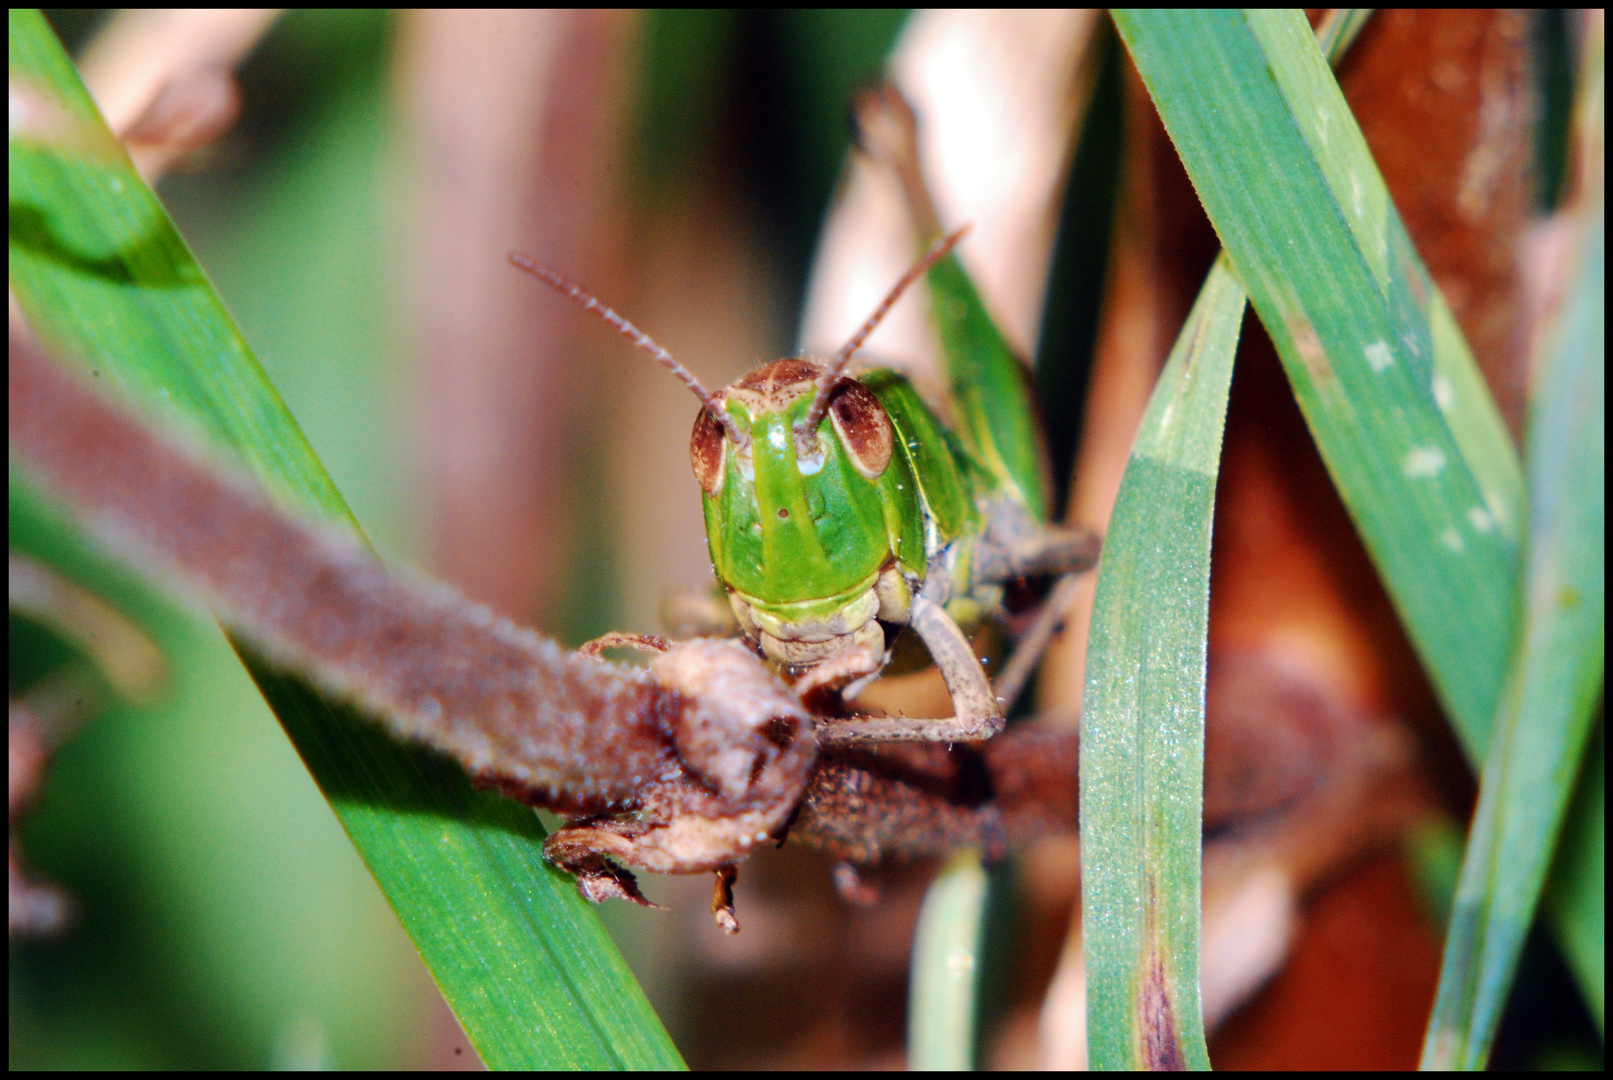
pixel 864 429
pixel 708 451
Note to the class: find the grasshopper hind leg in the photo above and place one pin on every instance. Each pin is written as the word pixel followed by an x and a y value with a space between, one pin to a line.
pixel 1015 547
pixel 1028 652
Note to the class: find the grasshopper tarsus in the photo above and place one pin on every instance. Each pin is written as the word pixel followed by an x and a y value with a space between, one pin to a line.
pixel 616 639
pixel 722 899
pixel 854 886
pixel 598 878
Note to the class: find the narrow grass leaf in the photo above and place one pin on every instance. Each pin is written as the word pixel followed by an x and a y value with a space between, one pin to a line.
pixel 1545 712
pixel 102 275
pixel 1402 418
pixel 1142 726
pixel 1338 30
pixel 1576 894
pixel 1414 443
pixel 946 968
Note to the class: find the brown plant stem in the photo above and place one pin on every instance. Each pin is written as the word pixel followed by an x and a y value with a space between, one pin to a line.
pixel 705 749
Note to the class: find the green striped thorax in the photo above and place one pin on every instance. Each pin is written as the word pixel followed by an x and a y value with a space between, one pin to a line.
pixel 820 537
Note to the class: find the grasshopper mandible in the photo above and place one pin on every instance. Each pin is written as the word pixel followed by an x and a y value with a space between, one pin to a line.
pixel 840 509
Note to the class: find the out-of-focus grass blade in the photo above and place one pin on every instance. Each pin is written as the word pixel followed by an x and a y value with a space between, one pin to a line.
pixel 1338 30
pixel 1398 409
pixel 1142 721
pixel 946 968
pixel 102 275
pixel 1576 894
pixel 1546 709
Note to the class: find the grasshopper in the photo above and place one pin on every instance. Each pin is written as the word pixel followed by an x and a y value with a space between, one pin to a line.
pixel 840 509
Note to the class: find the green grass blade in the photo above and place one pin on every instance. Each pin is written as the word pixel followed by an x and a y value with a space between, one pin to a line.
pixel 1142 726
pixel 1576 895
pixel 1393 399
pixel 1414 443
pixel 1338 30
pixel 945 982
pixel 103 276
pixel 1546 710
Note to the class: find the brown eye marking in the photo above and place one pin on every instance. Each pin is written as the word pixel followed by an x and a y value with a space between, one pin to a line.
pixel 783 513
pixel 864 429
pixel 708 447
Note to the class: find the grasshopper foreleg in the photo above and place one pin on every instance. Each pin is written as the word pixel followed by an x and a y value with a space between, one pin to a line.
pixel 977 713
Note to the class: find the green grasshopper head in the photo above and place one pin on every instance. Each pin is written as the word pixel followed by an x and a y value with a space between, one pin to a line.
pixel 804 524
pixel 796 517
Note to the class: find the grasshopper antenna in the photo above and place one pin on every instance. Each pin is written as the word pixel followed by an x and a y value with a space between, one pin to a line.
pixel 826 381
pixel 589 302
